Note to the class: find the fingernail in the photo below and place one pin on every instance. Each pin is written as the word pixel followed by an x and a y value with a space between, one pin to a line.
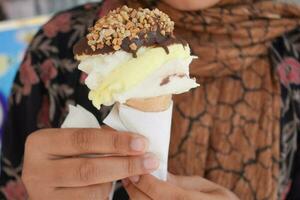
pixel 138 144
pixel 134 179
pixel 151 162
pixel 125 182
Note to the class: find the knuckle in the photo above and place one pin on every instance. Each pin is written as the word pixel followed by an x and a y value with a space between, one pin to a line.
pixel 130 166
pixel 226 194
pixel 116 142
pixel 132 192
pixel 180 196
pixel 32 140
pixel 92 196
pixel 29 181
pixel 38 143
pixel 26 179
pixel 86 171
pixel 82 139
pixel 150 189
pixel 106 189
pixel 97 192
pixel 29 141
pixel 229 195
pixel 38 140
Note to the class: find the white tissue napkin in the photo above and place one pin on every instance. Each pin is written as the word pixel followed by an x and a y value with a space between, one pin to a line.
pixel 155 126
pixel 79 117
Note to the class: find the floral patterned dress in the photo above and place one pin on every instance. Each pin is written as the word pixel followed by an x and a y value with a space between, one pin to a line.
pixel 285 58
pixel 48 81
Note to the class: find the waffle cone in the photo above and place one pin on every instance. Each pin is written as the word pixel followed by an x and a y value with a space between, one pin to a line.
pixel 155 104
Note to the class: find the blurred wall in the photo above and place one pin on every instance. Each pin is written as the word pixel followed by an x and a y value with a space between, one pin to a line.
pixel 15 9
pixel 28 8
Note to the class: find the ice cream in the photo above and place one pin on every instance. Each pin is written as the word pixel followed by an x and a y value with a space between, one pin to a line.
pixel 133 54
pixel 133 60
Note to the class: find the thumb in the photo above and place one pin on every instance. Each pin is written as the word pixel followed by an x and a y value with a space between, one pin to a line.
pixel 193 183
pixel 205 187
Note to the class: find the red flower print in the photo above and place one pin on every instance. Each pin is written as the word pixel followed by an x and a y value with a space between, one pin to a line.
pixel 289 71
pixel 88 6
pixel 50 30
pixel 43 119
pixel 63 22
pixel 107 6
pixel 48 72
pixel 286 190
pixel 83 77
pixel 60 23
pixel 28 76
pixel 15 190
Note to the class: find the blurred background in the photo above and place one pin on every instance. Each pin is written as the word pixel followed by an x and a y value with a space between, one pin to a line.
pixel 19 21
pixel 15 9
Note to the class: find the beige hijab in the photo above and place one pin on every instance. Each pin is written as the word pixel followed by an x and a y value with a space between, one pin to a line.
pixel 228 130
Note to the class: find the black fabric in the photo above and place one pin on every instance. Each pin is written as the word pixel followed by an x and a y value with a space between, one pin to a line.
pixel 285 55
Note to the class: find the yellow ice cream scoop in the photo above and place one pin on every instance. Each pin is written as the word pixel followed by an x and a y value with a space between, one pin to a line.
pixel 155 56
pixel 134 71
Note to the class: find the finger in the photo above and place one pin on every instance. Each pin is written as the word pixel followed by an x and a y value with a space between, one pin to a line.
pixel 157 189
pixel 90 192
pixel 194 183
pixel 70 142
pixel 192 5
pixel 133 192
pixel 107 128
pixel 202 185
pixel 76 172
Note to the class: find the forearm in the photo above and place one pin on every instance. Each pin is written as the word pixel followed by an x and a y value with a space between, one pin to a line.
pixel 192 4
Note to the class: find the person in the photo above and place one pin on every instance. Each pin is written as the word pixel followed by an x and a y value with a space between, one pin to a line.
pixel 2 15
pixel 226 131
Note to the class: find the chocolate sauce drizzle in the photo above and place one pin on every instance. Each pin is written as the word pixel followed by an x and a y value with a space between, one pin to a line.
pixel 153 39
pixel 166 80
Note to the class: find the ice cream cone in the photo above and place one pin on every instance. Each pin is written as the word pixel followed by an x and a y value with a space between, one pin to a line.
pixel 155 104
pixel 126 64
pixel 131 65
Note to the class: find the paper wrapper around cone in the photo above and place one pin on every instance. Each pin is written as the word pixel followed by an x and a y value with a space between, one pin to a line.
pixel 79 117
pixel 155 104
pixel 148 117
pixel 151 118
